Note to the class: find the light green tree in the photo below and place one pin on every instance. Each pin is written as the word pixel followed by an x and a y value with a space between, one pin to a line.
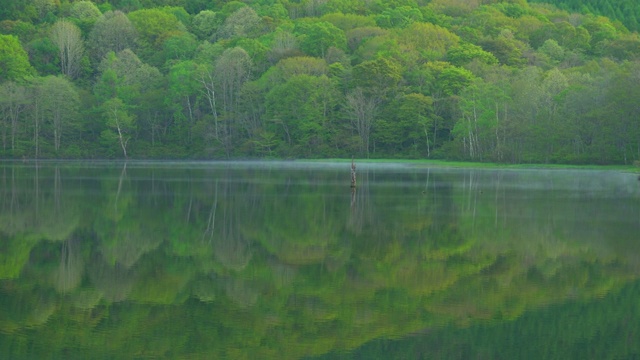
pixel 317 37
pixel 14 62
pixel 121 124
pixel 13 102
pixel 60 103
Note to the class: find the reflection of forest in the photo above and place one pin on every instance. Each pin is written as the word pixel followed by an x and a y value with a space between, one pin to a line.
pixel 270 263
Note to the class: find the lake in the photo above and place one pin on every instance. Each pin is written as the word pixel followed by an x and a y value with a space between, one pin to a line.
pixel 283 260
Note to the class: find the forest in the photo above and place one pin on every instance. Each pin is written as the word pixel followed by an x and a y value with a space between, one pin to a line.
pixel 625 11
pixel 479 80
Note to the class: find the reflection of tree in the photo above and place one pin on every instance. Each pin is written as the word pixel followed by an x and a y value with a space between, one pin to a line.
pixel 204 289
pixel 115 282
pixel 125 242
pixel 23 309
pixel 29 215
pixel 69 273
pixel 126 231
pixel 123 175
pixel 241 292
pixel 211 220
pixel 360 213
pixel 230 248
pixel 297 229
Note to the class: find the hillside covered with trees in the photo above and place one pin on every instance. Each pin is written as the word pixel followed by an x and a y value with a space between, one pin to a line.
pixel 505 81
pixel 625 11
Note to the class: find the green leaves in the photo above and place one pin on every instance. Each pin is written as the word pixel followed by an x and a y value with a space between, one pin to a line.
pixel 317 37
pixel 464 53
pixel 120 123
pixel 14 63
pixel 299 109
pixel 385 50
pixel 377 76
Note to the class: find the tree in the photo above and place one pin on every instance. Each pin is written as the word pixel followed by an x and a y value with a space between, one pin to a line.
pixel 620 117
pixel 300 107
pixel 406 125
pixel 113 31
pixel 179 47
pixel 13 101
pixel 464 53
pixel 301 65
pixel 85 10
pixel 125 76
pixel 315 38
pixel 85 14
pixel 357 36
pixel 209 90
pixel 398 17
pixel 232 70
pixel 205 24
pixel 242 23
pixel 59 106
pixel 43 54
pixel 347 22
pixel 154 26
pixel 284 44
pixel 431 41
pixel 444 82
pixel 479 130
pixel 183 89
pixel 35 98
pixel 506 48
pixel 14 62
pixel 119 121
pixel 68 38
pixel 361 110
pixel 377 77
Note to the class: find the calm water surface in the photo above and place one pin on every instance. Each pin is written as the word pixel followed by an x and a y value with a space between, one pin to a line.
pixel 284 261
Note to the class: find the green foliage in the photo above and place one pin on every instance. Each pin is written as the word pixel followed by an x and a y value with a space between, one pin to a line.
pixel 84 14
pixel 120 124
pixel 85 10
pixel 181 46
pixel 377 76
pixel 205 24
pixel 625 11
pixel 464 53
pixel 14 62
pixel 347 22
pixel 299 110
pixel 430 41
pixel 317 37
pixel 45 56
pixel 388 50
pixel 408 126
pixel 113 31
pixel 154 26
pixel 243 22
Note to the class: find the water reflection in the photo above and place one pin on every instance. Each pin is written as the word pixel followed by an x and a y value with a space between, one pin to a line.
pixel 283 261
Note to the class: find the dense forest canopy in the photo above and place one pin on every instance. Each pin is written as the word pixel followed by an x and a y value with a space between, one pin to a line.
pixel 625 11
pixel 505 81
